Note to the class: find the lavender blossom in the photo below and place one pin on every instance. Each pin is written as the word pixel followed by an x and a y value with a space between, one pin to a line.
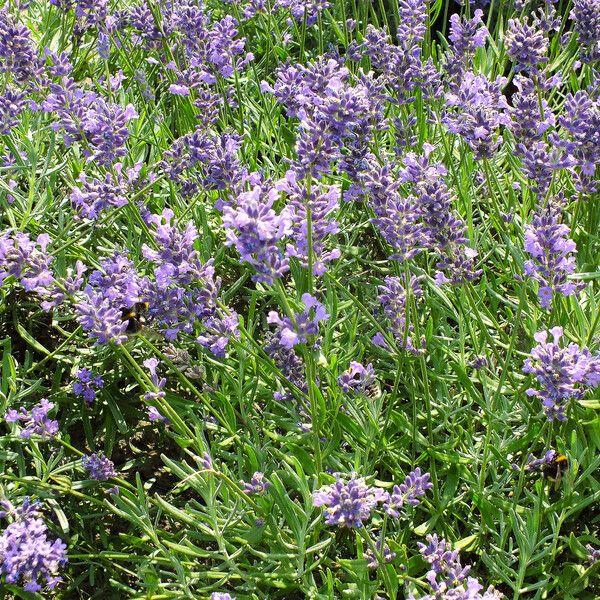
pixel 536 465
pixel 526 44
pixel 393 298
pixel 466 35
pixel 563 374
pixel 17 53
pixel 184 290
pixel 257 485
pixel 87 385
pixel 36 421
pixel 296 331
pixel 12 104
pixel 288 362
pixel 447 578
pixel 26 553
pixel 26 260
pixel 415 485
pixel 154 415
pixel 221 596
pixel 218 330
pixel 304 10
pixel 357 378
pixel 372 560
pixel 585 15
pixel 321 201
pixel 99 466
pixel 255 229
pixel 158 383
pixel 553 256
pixel 480 112
pixel 100 318
pixel 95 196
pixel 593 554
pixel 348 504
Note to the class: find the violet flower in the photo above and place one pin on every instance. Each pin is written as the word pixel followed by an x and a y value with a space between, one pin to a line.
pixel 26 553
pixel 562 373
pixel 99 466
pixel 36 421
pixel 415 485
pixel 254 228
pixel 348 504
pixel 87 384
pixel 257 485
pixel 553 256
pixel 297 331
pixel 357 378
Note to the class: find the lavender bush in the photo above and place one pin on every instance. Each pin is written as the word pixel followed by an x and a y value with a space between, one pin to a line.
pixel 299 299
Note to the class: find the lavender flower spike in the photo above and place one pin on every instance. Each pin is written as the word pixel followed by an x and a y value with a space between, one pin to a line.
pixel 348 504
pixel 99 466
pixel 415 485
pixel 26 553
pixel 36 422
pixel 257 485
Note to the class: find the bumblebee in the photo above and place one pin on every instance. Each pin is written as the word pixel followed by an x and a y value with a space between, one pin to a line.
pixel 554 469
pixel 135 317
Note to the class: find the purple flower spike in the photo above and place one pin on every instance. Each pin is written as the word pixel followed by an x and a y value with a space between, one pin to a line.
pixel 221 596
pixel 99 466
pixel 35 422
pixel 415 485
pixel 563 374
pixel 357 377
pixel 553 256
pixel 159 383
pixel 254 229
pixel 296 331
pixel 348 504
pixel 26 553
pixel 257 485
pixel 87 385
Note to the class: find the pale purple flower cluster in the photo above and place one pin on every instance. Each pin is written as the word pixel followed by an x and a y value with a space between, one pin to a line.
pixel 221 596
pixel 26 260
pixel 12 104
pixel 448 578
pixel 288 362
pixel 526 45
pixel 296 330
pixel 563 373
pixel 480 110
pixel 35 421
pixel 593 553
pixel 393 299
pixel 387 555
pixel 26 553
pixel 94 196
pixel 218 330
pixel 90 117
pixel 414 486
pixel 304 10
pixel 87 384
pixel 466 35
pixel 184 290
pixel 553 255
pixel 348 504
pixel 18 57
pixel 321 201
pixel 254 228
pixel 581 121
pixel 158 382
pixel 357 378
pixel 257 484
pixel 108 292
pixel 99 466
pixel 586 24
